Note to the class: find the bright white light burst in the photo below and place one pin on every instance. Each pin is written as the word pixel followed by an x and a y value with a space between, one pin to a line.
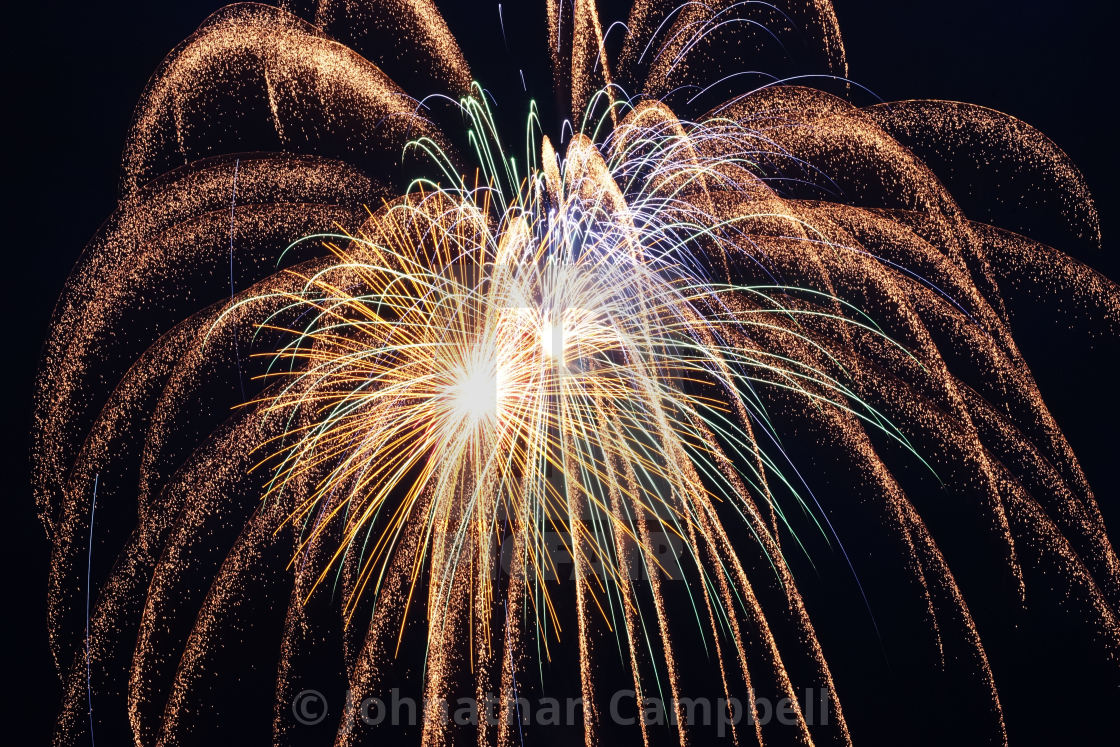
pixel 474 391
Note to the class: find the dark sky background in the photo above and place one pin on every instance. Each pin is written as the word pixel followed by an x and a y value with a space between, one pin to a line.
pixel 76 69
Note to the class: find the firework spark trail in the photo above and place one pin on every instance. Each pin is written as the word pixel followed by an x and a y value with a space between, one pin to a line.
pixel 600 342
pixel 232 215
pixel 89 592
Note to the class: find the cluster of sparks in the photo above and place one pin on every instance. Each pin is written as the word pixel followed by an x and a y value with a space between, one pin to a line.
pixel 586 343
pixel 556 361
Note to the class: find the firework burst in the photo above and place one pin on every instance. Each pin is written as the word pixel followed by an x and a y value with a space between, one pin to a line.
pixel 595 352
pixel 556 362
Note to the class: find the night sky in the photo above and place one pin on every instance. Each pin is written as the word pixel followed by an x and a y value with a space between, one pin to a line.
pixel 76 69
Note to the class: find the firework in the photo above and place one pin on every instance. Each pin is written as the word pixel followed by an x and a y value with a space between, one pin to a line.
pixel 404 387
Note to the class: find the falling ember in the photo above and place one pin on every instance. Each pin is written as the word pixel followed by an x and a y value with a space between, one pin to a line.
pixel 602 344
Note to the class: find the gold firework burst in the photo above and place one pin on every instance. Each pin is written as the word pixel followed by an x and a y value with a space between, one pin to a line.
pixel 596 346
